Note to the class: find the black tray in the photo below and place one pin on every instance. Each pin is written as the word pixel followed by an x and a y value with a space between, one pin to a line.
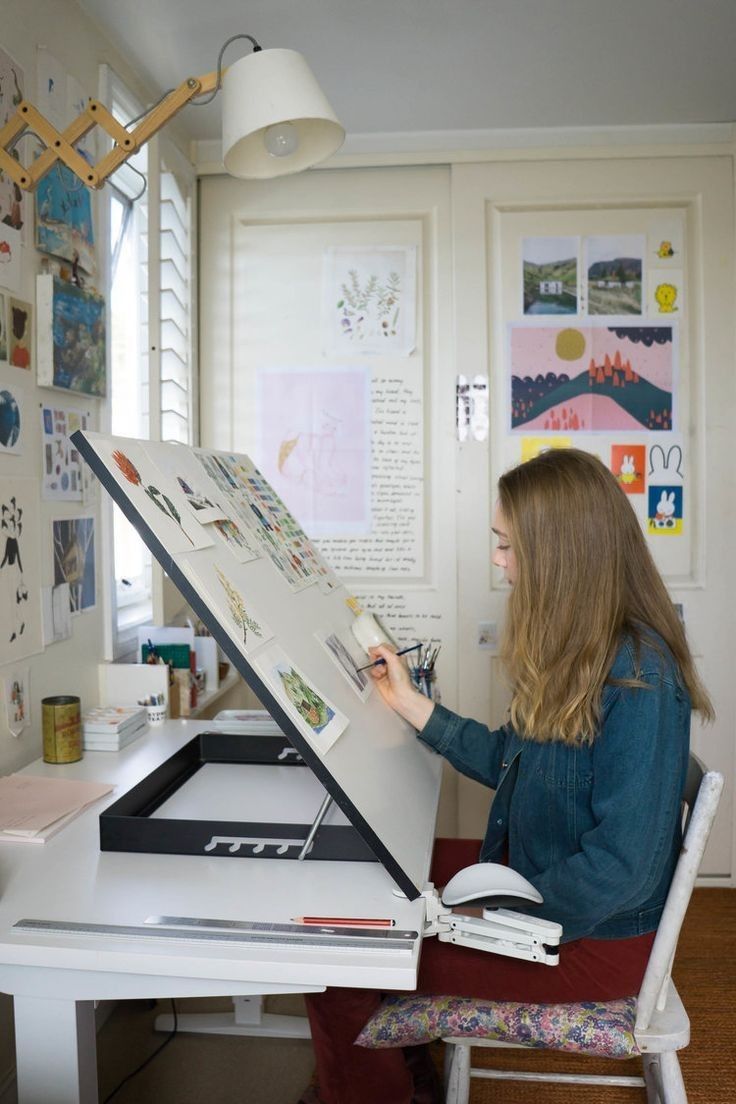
pixel 127 825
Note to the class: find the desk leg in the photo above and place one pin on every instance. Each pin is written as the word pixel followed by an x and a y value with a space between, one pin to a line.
pixel 56 1051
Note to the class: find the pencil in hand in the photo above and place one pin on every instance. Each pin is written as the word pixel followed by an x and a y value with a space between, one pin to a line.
pixel 381 662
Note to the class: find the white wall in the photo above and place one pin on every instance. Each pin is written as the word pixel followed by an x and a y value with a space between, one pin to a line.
pixel 69 666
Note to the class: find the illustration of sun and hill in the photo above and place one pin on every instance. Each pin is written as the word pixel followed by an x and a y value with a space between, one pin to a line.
pixel 590 378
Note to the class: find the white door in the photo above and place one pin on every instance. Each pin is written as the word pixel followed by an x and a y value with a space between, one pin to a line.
pixel 500 213
pixel 284 383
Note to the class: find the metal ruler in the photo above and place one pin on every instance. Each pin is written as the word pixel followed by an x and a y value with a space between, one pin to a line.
pixel 194 930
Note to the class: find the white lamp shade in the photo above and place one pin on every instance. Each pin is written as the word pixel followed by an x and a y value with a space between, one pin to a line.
pixel 265 89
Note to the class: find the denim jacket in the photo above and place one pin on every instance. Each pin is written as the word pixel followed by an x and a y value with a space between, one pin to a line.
pixel 594 827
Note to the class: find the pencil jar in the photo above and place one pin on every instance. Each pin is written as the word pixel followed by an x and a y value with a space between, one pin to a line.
pixel 62 729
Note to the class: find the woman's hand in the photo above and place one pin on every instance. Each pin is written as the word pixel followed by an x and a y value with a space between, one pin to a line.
pixel 397 690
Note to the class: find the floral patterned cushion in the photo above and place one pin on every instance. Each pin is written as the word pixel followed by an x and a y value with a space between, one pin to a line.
pixel 602 1028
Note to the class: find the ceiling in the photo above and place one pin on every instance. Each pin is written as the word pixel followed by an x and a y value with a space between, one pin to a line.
pixel 436 65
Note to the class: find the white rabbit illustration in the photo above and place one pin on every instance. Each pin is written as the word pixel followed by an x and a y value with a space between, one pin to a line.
pixel 665 469
pixel 665 509
pixel 628 471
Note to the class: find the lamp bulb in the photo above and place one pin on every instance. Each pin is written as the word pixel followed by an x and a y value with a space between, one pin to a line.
pixel 281 140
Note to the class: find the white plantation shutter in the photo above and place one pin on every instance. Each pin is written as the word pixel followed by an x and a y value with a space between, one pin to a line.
pixel 176 335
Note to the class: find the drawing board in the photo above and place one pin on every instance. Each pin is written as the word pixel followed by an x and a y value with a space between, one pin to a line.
pixel 264 614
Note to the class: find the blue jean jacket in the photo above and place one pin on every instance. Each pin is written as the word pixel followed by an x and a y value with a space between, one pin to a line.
pixel 596 828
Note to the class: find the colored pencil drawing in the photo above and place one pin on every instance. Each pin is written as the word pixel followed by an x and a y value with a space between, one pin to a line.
pixel 20 338
pixel 312 708
pixel 64 224
pixel 628 464
pixel 314 445
pixel 74 560
pixel 20 585
pixel 591 378
pixel 316 718
pixel 369 299
pixel 341 655
pixel 238 610
pixel 3 328
pixel 10 419
pixel 12 200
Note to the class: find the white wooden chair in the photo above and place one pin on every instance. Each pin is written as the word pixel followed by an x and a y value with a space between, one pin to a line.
pixel 654 1025
pixel 662 1026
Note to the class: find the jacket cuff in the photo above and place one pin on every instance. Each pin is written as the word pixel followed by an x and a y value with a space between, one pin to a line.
pixel 437 732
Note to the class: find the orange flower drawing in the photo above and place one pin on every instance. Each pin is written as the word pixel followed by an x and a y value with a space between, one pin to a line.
pixel 126 466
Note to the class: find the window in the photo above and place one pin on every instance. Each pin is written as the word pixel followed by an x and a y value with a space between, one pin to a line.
pixel 152 366
pixel 129 390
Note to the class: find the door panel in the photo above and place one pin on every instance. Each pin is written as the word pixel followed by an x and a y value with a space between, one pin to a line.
pixel 689 200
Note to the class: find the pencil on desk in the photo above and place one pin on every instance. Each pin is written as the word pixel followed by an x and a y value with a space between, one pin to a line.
pixel 344 921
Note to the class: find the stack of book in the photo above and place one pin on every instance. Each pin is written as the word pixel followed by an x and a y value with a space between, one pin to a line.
pixel 247 722
pixel 111 727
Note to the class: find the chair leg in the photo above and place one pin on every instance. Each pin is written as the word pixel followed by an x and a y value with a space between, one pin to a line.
pixel 652 1078
pixel 457 1074
pixel 672 1084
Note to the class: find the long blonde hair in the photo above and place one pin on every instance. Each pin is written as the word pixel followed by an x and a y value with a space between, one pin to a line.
pixel 585 577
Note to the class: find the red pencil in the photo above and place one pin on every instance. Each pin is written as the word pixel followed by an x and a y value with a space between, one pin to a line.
pixel 344 921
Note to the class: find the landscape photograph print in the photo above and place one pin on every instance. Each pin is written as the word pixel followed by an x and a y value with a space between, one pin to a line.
pixel 614 269
pixel 591 378
pixel 550 275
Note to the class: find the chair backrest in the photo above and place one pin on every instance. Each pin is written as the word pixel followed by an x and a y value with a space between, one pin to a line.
pixel 701 797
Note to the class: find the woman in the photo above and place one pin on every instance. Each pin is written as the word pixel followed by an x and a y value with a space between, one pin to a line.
pixel 588 771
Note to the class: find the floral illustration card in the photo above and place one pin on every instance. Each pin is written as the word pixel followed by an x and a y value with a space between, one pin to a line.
pixel 159 500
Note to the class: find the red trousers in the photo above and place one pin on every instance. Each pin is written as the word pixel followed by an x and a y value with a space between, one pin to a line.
pixel 589 969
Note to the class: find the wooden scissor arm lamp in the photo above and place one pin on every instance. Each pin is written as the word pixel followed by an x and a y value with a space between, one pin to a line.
pixel 61 146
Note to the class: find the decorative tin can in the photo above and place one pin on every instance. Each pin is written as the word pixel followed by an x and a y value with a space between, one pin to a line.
pixel 62 729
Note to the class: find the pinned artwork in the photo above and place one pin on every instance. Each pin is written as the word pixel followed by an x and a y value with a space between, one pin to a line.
pixel 613 266
pixel 71 337
pixel 265 516
pixel 665 291
pixel 628 464
pixel 64 224
pixel 534 446
pixel 20 578
pixel 665 242
pixel 226 587
pixel 10 254
pixel 160 501
pixel 316 718
pixel 666 479
pixel 12 416
pixel 665 511
pixel 591 378
pixel 74 560
pixel 20 334
pixel 550 275
pixel 314 445
pixel 200 493
pixel 12 84
pixel 65 475
pixel 17 687
pixel 3 329
pixel 343 652
pixel 369 300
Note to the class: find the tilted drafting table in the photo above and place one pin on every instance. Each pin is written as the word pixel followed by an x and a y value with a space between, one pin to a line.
pixel 246 570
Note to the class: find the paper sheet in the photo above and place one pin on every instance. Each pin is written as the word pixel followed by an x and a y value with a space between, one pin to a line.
pixel 31 804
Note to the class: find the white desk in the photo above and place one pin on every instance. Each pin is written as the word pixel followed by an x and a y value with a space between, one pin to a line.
pixel 55 979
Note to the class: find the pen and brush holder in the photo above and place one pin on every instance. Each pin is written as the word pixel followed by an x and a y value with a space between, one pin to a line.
pixel 426 682
pixel 156 714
